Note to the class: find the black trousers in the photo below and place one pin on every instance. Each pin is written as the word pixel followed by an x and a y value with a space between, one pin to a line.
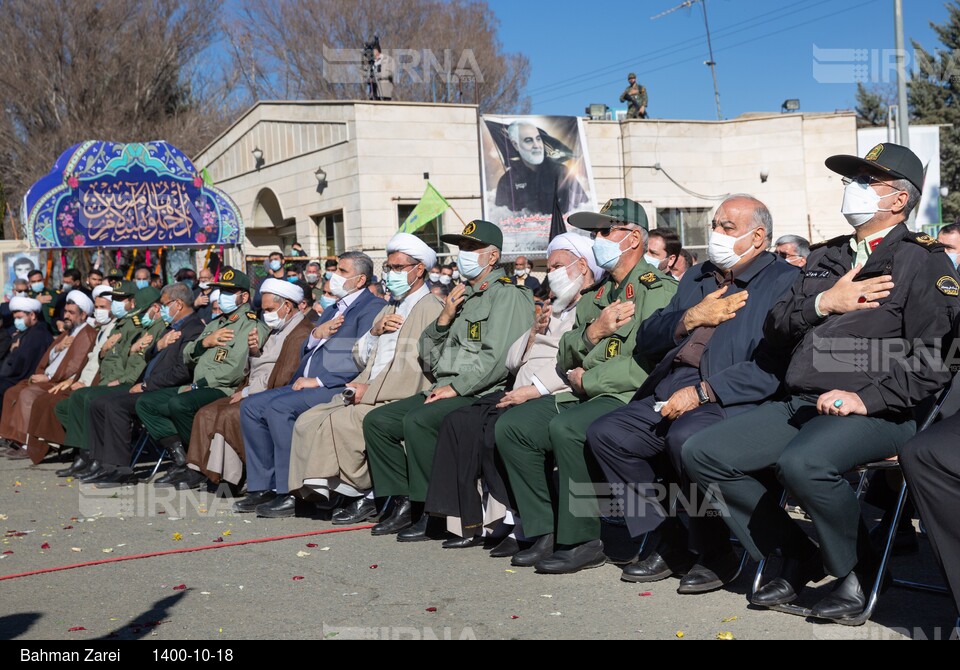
pixel 931 464
pixel 111 428
pixel 466 452
pixel 629 444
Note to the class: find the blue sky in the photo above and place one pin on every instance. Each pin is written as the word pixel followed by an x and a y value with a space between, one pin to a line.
pixel 580 52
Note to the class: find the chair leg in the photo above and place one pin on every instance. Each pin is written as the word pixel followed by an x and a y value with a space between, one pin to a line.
pixel 160 458
pixel 140 446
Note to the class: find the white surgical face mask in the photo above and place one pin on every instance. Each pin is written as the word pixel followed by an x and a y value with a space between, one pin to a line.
pixel 455 275
pixel 521 272
pixel 954 257
pixel 721 251
pixel 434 277
pixel 652 260
pixel 273 319
pixel 564 289
pixel 311 279
pixel 445 279
pixel 338 285
pixel 470 262
pixel 102 316
pixel 861 203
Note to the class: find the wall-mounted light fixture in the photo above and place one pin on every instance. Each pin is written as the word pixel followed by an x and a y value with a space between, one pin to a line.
pixel 321 176
pixel 258 158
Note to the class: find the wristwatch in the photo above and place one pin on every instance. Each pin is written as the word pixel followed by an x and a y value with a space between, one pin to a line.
pixel 702 394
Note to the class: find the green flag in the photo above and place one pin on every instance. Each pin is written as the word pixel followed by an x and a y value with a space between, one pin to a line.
pixel 431 206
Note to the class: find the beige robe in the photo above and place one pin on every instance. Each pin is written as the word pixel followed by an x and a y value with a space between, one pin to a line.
pixel 328 439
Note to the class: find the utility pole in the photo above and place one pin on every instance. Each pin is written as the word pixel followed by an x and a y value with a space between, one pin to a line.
pixel 712 62
pixel 903 113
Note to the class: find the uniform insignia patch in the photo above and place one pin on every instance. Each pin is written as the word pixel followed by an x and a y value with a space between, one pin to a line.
pixel 630 292
pixel 221 355
pixel 606 206
pixel 613 349
pixel 874 153
pixel 822 274
pixel 136 321
pixel 925 239
pixel 483 286
pixel 251 316
pixel 649 280
pixel 233 318
pixel 470 228
pixel 599 293
pixel 473 331
pixel 948 286
pixel 875 243
pixel 227 276
pixel 505 280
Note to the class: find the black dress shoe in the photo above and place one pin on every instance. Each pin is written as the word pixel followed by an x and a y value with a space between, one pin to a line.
pixel 101 475
pixel 281 507
pixel 845 602
pixel 171 478
pixel 80 462
pixel 190 479
pixel 655 567
pixel 358 511
pixel 253 500
pixel 116 479
pixel 175 451
pixel 17 454
pixel 92 472
pixel 793 578
pixel 710 574
pixel 427 528
pixel 540 550
pixel 462 542
pixel 508 547
pixel 573 559
pixel 399 519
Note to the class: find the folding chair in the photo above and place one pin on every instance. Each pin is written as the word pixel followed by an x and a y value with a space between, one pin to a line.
pixel 874 595
pixel 143 441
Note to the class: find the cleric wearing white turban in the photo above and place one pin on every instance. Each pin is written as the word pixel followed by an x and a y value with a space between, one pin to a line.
pixel 282 288
pixel 81 300
pixel 25 305
pixel 580 246
pixel 103 290
pixel 412 246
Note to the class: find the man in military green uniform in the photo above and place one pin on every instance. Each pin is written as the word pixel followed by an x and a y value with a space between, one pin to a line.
pixel 635 95
pixel 219 359
pixel 121 362
pixel 603 373
pixel 47 298
pixel 313 275
pixel 466 350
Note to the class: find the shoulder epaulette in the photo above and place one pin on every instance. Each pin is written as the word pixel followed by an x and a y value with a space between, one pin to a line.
pixel 924 241
pixel 649 279
pixel 841 239
pixel 505 280
pixel 251 316
pixel 136 320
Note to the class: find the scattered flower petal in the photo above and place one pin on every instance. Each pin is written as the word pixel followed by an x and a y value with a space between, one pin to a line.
pixel 69 480
pixel 325 549
pixel 645 594
pixel 181 587
pixel 177 537
pixel 512 572
pixel 68 527
pixel 76 549
pixel 204 593
pixel 17 484
pixel 729 619
pixel 108 550
pixel 514 616
pixel 311 545
pixel 45 545
pixel 302 554
pixel 219 539
pixel 556 613
pixel 7 552
pixel 545 596
pixel 725 636
pixel 431 609
pixel 374 566
pixel 3 517
pixel 679 633
pixel 75 629
pixel 297 578
pixel 227 533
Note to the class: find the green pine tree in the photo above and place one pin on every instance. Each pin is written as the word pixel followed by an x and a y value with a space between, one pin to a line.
pixel 934 96
pixel 871 107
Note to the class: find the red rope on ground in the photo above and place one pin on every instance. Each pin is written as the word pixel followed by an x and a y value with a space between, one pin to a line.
pixel 188 550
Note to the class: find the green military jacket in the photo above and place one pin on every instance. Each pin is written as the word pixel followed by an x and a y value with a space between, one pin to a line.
pixel 137 363
pixel 631 93
pixel 113 362
pixel 224 367
pixel 610 366
pixel 49 308
pixel 471 353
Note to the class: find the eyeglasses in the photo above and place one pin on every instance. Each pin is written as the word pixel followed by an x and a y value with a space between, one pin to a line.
pixel 609 231
pixel 863 180
pixel 398 268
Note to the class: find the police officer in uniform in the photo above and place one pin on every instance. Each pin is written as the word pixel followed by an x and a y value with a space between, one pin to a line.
pixel 635 95
pixel 598 358
pixel 466 349
pixel 219 360
pixel 864 322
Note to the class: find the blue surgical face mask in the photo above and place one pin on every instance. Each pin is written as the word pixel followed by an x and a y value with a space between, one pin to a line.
pixel 117 309
pixel 327 302
pixel 143 283
pixel 165 314
pixel 469 264
pixel 327 275
pixel 36 286
pixel 607 253
pixel 397 284
pixel 146 321
pixel 292 279
pixel 275 265
pixel 227 302
pixel 20 324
